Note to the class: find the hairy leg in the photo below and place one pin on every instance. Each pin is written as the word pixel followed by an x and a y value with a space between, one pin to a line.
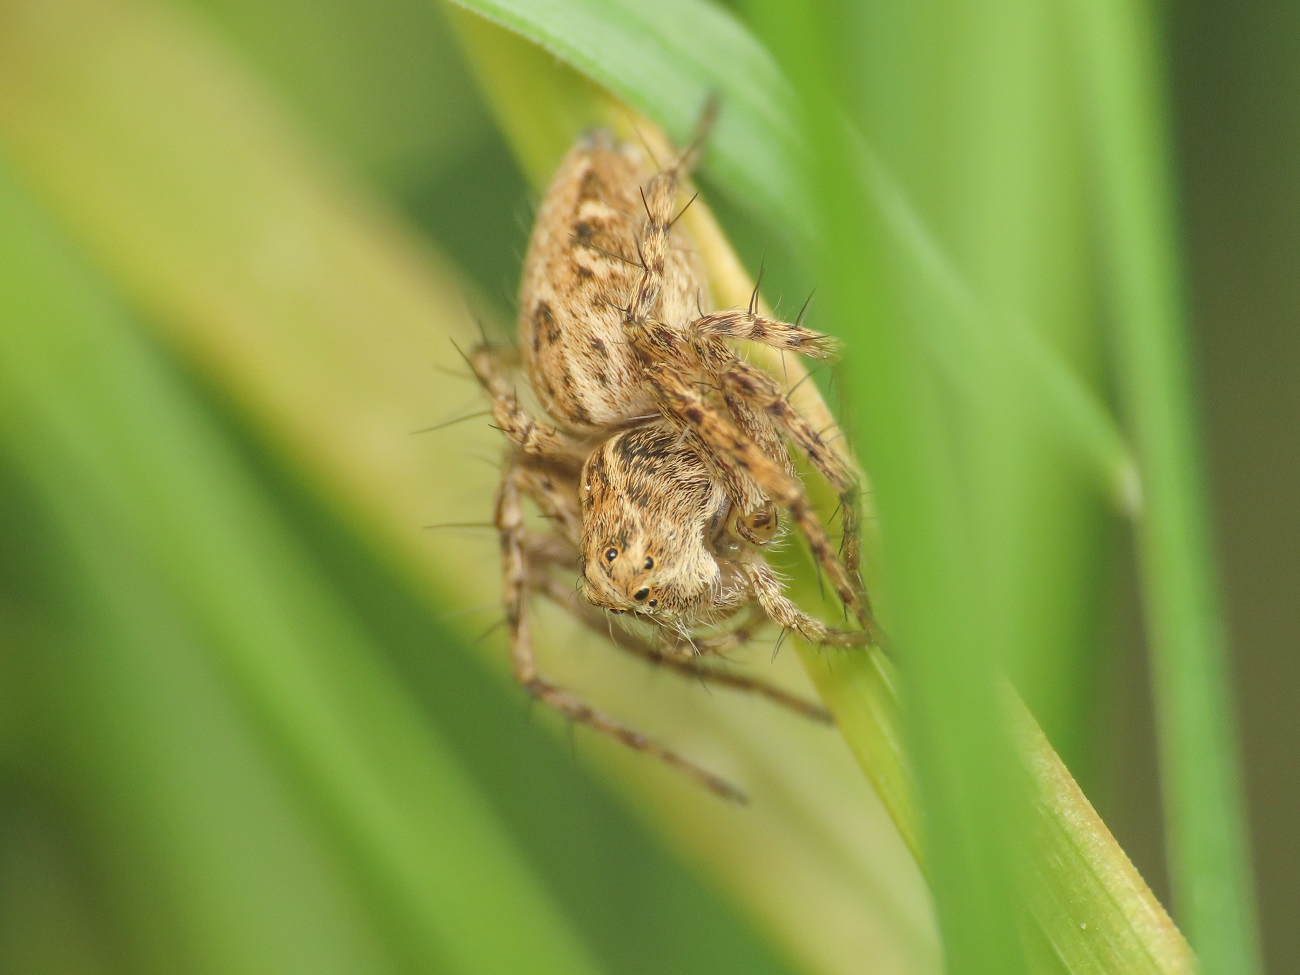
pixel 515 575
pixel 673 369
pixel 659 198
pixel 767 331
pixel 530 436
pixel 687 664
pixel 762 394
pixel 554 490
pixel 778 606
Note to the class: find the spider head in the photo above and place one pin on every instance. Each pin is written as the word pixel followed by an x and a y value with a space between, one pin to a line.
pixel 625 575
pixel 615 574
pixel 648 506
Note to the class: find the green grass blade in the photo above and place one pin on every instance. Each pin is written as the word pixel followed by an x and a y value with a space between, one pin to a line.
pixel 1204 807
pixel 133 755
pixel 648 56
pixel 1100 916
pixel 143 489
pixel 326 324
pixel 752 150
pixel 940 615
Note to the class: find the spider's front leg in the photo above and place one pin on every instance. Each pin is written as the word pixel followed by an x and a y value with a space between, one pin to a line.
pixel 515 576
pixel 766 331
pixel 686 663
pixel 783 612
pixel 674 372
pixel 747 384
pixel 753 395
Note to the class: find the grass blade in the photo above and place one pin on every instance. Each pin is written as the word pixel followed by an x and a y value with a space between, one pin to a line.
pixel 1100 916
pixel 647 56
pixel 1208 848
pixel 326 323
pixel 171 514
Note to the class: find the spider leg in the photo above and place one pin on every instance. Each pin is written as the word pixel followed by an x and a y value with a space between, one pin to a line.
pixel 749 384
pixel 666 361
pixel 689 666
pixel 659 199
pixel 717 644
pixel 554 489
pixel 532 437
pixel 778 606
pixel 768 331
pixel 514 568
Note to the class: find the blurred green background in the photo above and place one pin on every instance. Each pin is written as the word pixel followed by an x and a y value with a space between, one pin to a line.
pixel 1235 89
pixel 246 720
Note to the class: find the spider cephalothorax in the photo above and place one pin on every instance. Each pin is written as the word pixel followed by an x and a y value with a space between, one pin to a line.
pixel 655 541
pixel 662 460
pixel 650 513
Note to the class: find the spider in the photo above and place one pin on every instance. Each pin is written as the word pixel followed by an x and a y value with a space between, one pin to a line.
pixel 661 462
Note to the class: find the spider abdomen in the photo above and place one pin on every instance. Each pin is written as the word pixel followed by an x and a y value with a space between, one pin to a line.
pixel 583 266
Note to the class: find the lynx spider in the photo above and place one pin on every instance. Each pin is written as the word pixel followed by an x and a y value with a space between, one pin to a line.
pixel 665 465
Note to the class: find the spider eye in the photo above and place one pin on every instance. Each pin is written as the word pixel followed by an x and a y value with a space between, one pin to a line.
pixel 653 603
pixel 640 594
pixel 611 554
pixel 649 562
